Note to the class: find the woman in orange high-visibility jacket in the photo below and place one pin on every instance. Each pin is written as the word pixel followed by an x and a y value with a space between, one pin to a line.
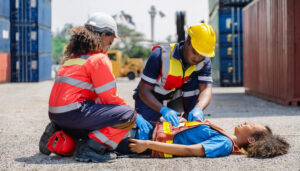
pixel 83 101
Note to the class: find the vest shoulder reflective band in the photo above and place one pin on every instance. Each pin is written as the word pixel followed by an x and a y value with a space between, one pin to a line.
pixel 173 76
pixel 165 132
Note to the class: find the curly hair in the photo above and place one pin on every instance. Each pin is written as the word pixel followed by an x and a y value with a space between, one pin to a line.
pixel 82 41
pixel 267 145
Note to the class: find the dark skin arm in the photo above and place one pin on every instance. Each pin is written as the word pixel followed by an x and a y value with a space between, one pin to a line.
pixel 145 93
pixel 140 146
pixel 204 96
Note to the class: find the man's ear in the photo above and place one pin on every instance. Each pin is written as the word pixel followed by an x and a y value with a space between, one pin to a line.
pixel 187 41
pixel 251 140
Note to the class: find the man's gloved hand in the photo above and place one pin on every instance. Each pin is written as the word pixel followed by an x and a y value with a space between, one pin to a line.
pixel 144 128
pixel 170 115
pixel 196 114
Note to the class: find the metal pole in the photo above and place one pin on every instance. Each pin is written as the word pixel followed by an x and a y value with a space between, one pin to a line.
pixel 239 47
pixel 233 45
pixel 152 13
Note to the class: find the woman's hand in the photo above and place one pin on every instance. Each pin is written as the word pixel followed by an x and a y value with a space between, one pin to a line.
pixel 137 146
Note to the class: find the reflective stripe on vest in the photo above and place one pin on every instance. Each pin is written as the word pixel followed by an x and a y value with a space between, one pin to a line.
pixel 106 87
pixel 74 82
pixel 76 61
pixel 191 93
pixel 109 136
pixel 105 140
pixel 162 90
pixel 172 76
pixel 66 108
pixel 167 130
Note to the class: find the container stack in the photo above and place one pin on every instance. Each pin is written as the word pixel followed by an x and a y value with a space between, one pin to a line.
pixel 226 19
pixel 4 41
pixel 30 40
pixel 271 50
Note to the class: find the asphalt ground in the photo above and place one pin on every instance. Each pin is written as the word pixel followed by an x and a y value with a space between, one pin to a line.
pixel 23 117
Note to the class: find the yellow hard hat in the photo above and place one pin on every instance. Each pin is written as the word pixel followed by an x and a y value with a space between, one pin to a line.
pixel 203 39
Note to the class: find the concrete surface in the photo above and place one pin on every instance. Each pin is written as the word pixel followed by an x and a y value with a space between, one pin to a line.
pixel 23 117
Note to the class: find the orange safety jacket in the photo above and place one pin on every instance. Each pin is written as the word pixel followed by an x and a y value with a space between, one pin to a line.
pixel 173 75
pixel 85 77
pixel 165 132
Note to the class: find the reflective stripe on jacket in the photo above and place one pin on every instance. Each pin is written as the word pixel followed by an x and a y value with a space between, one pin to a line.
pixel 173 75
pixel 87 77
pixel 165 132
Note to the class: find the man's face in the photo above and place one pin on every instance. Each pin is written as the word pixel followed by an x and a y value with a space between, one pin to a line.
pixel 191 57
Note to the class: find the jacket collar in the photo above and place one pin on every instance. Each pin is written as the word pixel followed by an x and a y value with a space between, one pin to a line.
pixel 178 50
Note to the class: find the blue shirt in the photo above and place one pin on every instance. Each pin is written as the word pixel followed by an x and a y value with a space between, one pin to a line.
pixel 215 144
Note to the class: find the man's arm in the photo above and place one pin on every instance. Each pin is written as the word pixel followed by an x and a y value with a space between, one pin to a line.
pixel 204 96
pixel 145 93
pixel 140 146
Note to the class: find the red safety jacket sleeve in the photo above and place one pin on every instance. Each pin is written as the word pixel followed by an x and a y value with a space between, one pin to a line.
pixel 100 69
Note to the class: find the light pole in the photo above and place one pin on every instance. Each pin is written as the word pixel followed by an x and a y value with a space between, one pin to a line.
pixel 152 13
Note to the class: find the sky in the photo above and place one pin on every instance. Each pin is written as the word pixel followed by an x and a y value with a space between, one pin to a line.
pixel 77 12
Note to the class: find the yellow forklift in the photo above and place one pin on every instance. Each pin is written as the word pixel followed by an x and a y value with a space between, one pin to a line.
pixel 125 66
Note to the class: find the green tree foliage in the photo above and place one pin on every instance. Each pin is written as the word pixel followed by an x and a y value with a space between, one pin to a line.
pixel 59 41
pixel 130 43
pixel 58 44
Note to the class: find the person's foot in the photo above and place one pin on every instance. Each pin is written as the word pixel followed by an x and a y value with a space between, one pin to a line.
pixel 50 130
pixel 92 151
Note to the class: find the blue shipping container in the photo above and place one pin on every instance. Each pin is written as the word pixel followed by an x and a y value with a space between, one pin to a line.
pixel 27 40
pixel 231 72
pixel 230 52
pixel 228 39
pixel 31 69
pixel 230 19
pixel 31 11
pixel 4 35
pixel 40 68
pixel 4 8
pixel 227 64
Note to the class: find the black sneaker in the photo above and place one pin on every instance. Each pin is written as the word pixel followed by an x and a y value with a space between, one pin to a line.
pixel 89 151
pixel 50 130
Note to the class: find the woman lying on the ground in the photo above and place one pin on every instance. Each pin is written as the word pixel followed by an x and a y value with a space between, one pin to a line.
pixel 207 140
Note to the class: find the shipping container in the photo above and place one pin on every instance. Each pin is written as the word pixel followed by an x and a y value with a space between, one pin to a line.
pixel 228 61
pixel 215 4
pixel 271 50
pixel 31 59
pixel 31 68
pixel 4 9
pixel 31 12
pixel 30 40
pixel 4 35
pixel 4 67
pixel 4 26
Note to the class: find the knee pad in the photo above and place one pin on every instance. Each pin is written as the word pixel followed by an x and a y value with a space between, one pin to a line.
pixel 62 144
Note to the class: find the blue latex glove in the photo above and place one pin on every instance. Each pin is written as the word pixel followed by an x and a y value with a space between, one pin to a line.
pixel 196 114
pixel 170 115
pixel 144 128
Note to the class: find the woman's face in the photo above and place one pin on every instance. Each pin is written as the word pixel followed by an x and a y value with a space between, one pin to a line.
pixel 106 42
pixel 248 129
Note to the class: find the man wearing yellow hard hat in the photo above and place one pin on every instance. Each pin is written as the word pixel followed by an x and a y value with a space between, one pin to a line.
pixel 177 79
